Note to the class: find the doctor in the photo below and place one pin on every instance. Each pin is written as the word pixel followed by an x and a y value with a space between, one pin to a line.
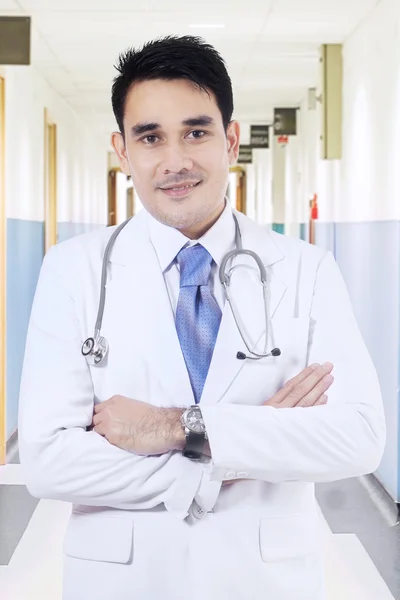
pixel 217 501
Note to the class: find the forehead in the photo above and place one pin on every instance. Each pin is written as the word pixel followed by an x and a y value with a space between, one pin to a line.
pixel 168 101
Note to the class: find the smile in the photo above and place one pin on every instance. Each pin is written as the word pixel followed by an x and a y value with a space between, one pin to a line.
pixel 185 187
pixel 180 190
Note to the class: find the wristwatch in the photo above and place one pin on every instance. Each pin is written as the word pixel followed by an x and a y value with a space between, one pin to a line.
pixel 195 432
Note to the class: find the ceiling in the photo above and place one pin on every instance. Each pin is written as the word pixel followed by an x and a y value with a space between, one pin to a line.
pixel 270 46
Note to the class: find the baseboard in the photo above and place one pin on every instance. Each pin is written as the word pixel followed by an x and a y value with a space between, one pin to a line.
pixel 12 446
pixel 388 508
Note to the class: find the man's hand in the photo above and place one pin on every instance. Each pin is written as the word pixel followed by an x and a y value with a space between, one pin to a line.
pixel 305 390
pixel 139 427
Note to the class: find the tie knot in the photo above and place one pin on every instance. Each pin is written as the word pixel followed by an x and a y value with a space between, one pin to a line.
pixel 195 265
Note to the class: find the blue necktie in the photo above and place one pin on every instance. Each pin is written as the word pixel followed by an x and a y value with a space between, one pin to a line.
pixel 198 315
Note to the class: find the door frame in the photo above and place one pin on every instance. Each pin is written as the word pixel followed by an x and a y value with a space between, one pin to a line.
pixel 50 181
pixel 240 187
pixel 112 196
pixel 3 274
pixel 112 216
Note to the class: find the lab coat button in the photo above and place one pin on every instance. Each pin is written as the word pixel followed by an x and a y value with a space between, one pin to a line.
pixel 198 512
pixel 242 475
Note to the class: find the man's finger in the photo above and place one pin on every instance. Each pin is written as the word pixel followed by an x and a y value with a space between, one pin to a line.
pixel 321 401
pixel 100 429
pixel 292 383
pixel 97 419
pixel 321 387
pixel 309 386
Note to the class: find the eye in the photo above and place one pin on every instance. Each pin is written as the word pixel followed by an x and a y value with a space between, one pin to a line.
pixel 197 134
pixel 149 139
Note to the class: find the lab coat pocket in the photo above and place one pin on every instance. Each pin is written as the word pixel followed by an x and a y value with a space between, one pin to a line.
pixel 288 537
pixel 99 538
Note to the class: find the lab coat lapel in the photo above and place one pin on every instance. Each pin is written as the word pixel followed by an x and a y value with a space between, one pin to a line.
pixel 247 300
pixel 138 285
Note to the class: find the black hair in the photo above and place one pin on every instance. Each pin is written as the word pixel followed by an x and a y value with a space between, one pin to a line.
pixel 169 58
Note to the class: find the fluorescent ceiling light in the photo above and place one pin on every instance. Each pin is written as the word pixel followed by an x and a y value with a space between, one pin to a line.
pixel 208 26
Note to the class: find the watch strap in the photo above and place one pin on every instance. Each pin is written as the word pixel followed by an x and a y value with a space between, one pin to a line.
pixel 194 445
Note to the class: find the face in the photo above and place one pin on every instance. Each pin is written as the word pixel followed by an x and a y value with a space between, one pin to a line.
pixel 177 153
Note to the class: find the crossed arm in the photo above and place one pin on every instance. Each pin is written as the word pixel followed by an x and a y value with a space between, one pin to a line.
pixel 63 460
pixel 149 430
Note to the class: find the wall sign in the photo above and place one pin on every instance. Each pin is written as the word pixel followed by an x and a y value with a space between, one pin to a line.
pixel 259 136
pixel 285 121
pixel 15 40
pixel 245 154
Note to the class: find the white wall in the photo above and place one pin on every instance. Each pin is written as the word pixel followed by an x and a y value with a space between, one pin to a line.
pixel 82 158
pixel 323 177
pixel 292 186
pixel 359 202
pixel 308 132
pixel 367 209
pixel 371 151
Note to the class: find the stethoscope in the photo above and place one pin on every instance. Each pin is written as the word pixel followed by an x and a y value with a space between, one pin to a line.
pixel 95 349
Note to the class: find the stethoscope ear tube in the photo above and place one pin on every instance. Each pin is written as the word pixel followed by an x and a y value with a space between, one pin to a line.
pixel 243 356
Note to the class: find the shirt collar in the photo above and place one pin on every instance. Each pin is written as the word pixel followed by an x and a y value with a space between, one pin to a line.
pixel 168 241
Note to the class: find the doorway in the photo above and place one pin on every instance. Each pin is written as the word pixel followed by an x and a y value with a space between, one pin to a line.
pixel 237 188
pixel 121 197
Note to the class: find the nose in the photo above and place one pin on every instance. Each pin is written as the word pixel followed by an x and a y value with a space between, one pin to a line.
pixel 175 159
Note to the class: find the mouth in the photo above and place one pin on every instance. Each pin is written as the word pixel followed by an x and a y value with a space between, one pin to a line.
pixel 183 189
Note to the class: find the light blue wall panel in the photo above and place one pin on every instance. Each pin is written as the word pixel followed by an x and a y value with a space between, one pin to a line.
pixel 325 235
pixel 304 232
pixel 25 250
pixel 369 258
pixel 67 230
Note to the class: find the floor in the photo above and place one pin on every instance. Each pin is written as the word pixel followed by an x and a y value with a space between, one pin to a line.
pixel 361 542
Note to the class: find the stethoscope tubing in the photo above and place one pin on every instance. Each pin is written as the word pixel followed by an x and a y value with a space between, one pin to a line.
pixel 95 349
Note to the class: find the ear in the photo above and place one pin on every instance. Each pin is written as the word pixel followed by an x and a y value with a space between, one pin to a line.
pixel 233 135
pixel 118 144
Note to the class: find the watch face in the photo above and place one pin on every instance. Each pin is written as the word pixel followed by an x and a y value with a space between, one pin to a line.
pixel 194 421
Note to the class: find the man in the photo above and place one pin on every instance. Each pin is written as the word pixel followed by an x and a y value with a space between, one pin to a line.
pixel 222 504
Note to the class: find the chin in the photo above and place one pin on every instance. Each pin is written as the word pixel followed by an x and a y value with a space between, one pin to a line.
pixel 179 221
pixel 183 219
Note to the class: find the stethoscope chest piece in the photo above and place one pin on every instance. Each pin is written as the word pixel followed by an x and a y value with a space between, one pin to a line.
pixel 95 350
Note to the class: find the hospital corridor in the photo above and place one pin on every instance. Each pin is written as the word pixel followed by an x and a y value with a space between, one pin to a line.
pixel 148 387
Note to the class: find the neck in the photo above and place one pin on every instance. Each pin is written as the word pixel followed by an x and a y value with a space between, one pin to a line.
pixel 199 229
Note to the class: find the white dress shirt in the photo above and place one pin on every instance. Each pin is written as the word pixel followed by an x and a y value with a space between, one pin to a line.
pixel 168 242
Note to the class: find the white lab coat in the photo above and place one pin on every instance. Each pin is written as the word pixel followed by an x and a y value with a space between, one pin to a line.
pixel 163 527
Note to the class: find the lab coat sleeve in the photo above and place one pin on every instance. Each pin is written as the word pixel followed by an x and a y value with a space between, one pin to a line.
pixel 344 438
pixel 60 458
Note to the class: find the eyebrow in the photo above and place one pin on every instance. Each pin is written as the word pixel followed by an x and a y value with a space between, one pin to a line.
pixel 201 120
pixel 141 128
